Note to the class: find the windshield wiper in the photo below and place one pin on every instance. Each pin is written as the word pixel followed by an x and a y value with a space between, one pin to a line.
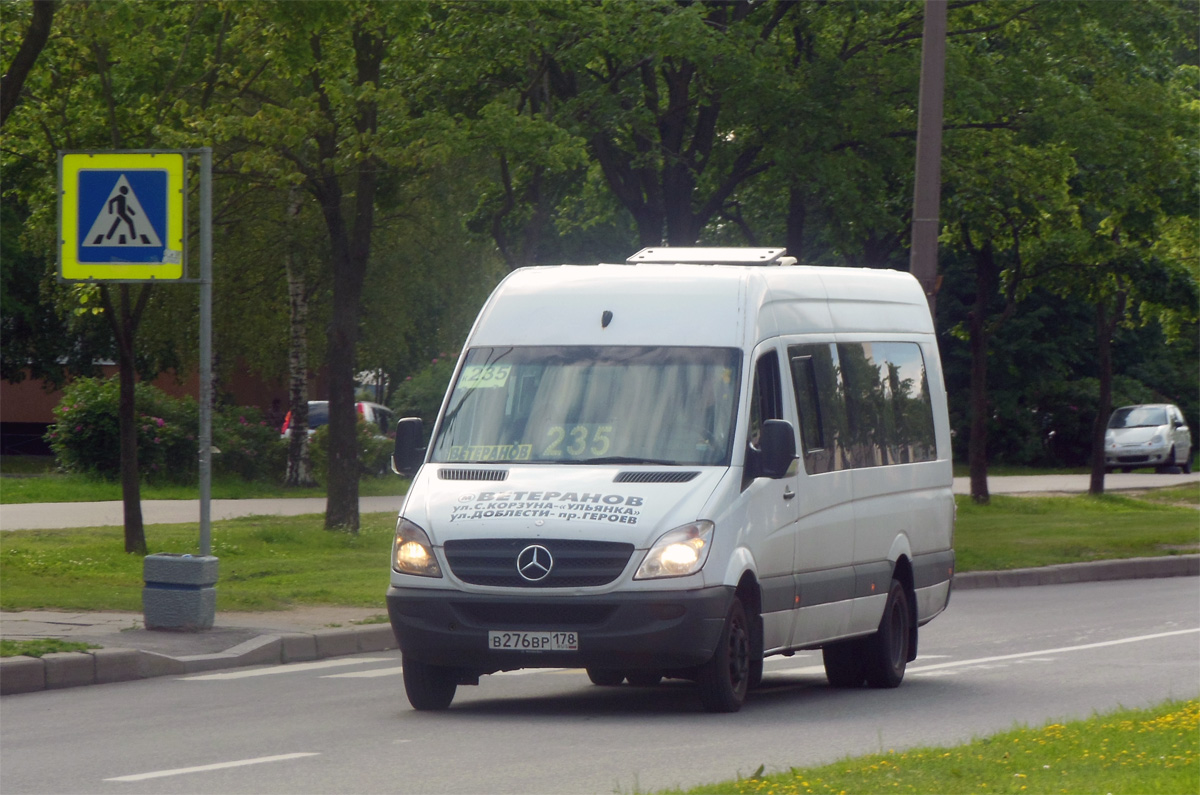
pixel 623 459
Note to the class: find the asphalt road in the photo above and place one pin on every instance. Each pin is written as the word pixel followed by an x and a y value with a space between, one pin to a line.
pixel 42 516
pixel 996 658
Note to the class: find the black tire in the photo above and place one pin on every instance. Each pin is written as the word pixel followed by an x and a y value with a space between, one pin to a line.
pixel 887 650
pixel 605 677
pixel 1186 467
pixel 644 678
pixel 756 673
pixel 428 687
pixel 725 678
pixel 845 663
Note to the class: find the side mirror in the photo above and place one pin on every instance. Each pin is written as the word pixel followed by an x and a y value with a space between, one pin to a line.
pixel 408 454
pixel 777 442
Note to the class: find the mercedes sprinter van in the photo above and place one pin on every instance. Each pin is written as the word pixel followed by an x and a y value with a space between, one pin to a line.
pixel 676 467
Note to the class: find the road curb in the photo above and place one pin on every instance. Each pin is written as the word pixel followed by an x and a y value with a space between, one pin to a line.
pixel 1092 571
pixel 102 666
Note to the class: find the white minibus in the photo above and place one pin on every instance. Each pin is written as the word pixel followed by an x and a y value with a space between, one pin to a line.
pixel 674 468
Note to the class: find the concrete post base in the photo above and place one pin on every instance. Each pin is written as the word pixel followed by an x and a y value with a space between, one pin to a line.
pixel 179 593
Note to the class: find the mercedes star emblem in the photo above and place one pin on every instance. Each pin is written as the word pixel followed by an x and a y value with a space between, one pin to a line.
pixel 534 563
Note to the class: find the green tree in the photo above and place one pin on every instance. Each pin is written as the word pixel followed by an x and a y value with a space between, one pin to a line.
pixel 80 96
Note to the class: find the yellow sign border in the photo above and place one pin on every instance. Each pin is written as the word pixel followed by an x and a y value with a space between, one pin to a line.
pixel 69 266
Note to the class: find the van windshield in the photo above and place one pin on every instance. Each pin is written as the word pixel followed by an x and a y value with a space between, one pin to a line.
pixel 592 405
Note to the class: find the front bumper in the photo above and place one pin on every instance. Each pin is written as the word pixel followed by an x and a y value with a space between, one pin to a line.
pixel 1136 456
pixel 641 630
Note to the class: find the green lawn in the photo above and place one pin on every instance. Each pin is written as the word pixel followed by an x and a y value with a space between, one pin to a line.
pixel 274 562
pixel 1017 532
pixel 1146 751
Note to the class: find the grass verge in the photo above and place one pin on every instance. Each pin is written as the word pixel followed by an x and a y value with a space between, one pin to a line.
pixel 1019 532
pixel 40 646
pixel 266 563
pixel 1151 750
pixel 270 563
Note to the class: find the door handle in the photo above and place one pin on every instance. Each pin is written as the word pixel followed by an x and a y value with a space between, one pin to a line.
pixel 788 493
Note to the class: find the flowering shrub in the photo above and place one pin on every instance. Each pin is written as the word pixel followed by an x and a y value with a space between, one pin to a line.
pixel 249 447
pixel 85 436
pixel 373 450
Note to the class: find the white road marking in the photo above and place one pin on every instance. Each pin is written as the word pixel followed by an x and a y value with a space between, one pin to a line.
pixel 179 771
pixel 803 671
pixel 366 674
pixel 285 669
pixel 1042 652
pixel 397 670
pixel 524 671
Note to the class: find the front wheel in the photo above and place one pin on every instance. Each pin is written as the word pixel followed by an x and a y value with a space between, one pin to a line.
pixel 428 687
pixel 724 679
pixel 887 650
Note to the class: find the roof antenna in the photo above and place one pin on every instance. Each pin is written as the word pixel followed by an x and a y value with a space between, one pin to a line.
pixel 605 319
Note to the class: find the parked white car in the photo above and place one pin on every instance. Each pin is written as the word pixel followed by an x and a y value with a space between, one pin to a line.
pixel 1149 435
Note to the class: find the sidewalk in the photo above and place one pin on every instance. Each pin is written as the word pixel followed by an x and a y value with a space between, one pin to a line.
pixel 131 652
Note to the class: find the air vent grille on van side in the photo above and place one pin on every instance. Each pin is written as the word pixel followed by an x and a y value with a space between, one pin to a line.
pixel 473 474
pixel 633 476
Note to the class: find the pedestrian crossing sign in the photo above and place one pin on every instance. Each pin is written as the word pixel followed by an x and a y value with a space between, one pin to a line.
pixel 121 216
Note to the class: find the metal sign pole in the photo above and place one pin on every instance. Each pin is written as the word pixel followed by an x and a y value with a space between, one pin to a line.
pixel 205 350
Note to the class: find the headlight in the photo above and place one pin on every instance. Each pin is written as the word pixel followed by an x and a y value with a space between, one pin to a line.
pixel 677 553
pixel 411 551
pixel 1156 441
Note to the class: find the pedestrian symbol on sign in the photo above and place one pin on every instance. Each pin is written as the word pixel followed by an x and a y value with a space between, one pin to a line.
pixel 122 221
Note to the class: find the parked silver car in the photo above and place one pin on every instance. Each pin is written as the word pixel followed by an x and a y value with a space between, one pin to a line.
pixel 1149 435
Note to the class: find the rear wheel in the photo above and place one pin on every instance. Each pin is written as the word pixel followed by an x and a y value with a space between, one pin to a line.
pixel 724 679
pixel 428 687
pixel 605 677
pixel 887 650
pixel 845 663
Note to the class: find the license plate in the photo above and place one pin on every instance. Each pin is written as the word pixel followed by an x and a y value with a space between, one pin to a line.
pixel 533 641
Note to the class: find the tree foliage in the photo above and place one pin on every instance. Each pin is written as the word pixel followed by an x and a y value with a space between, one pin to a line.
pixel 398 157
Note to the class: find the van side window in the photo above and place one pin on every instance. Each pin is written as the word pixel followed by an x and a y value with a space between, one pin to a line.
pixel 766 402
pixel 889 416
pixel 862 404
pixel 821 406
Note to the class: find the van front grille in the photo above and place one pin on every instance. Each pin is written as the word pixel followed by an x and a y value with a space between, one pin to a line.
pixel 576 564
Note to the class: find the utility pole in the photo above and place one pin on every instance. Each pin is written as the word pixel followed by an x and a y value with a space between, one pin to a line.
pixel 927 187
